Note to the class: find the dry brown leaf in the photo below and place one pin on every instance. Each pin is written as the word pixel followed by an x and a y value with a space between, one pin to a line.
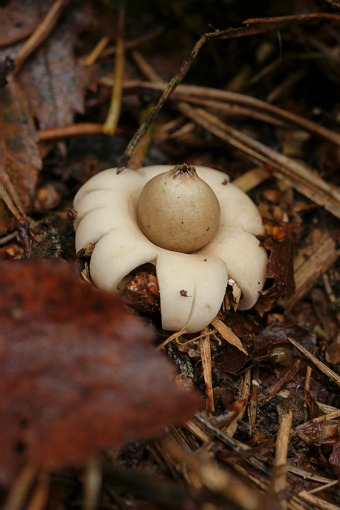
pixel 20 162
pixel 78 372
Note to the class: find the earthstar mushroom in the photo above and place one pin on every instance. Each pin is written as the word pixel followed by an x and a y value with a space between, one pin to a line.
pixel 116 214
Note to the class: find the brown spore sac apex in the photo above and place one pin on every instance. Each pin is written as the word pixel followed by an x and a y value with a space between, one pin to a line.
pixel 178 211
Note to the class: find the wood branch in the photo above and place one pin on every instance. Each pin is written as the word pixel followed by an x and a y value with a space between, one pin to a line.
pixel 41 33
pixel 303 179
pixel 313 260
pixel 281 450
pixel 316 364
pixel 206 364
pixel 190 93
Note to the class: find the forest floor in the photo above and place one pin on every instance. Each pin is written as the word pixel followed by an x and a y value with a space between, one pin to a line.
pixel 100 407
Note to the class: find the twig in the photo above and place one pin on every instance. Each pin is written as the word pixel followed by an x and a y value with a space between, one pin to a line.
pixel 39 498
pixel 282 442
pixel 298 175
pixel 318 502
pixel 167 92
pixel 172 337
pixel 111 122
pixel 324 487
pixel 91 58
pixel 92 484
pixel 255 386
pixel 308 378
pixel 293 19
pixel 20 488
pixel 321 367
pixel 57 133
pixel 270 392
pixel 206 364
pixel 134 43
pixel 329 416
pixel 228 335
pixel 242 397
pixel 9 237
pixel 9 41
pixel 191 93
pixel 216 479
pixel 254 26
pixel 41 33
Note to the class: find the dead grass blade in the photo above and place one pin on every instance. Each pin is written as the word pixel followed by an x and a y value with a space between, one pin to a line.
pixel 317 364
pixel 206 364
pixel 41 33
pixel 304 180
pixel 228 335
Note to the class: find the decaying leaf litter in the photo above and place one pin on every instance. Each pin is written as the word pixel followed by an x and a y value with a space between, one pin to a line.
pixel 259 101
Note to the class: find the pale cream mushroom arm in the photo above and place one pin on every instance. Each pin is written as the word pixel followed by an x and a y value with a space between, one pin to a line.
pixel 192 285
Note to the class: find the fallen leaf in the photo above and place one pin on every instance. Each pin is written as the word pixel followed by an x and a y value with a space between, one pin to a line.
pixel 280 271
pixel 54 83
pixel 334 458
pixel 325 433
pixel 78 371
pixel 20 162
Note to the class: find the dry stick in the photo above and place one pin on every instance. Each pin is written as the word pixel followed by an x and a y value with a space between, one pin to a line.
pixel 216 479
pixel 230 109
pixel 167 92
pixel 293 18
pixel 71 130
pixel 9 41
pixel 275 23
pixel 282 443
pixel 41 33
pixel 324 487
pixel 206 364
pixel 329 416
pixel 21 488
pixel 191 93
pixel 134 43
pixel 321 367
pixel 228 335
pixel 39 498
pixel 299 176
pixel 9 237
pixel 243 394
pixel 90 59
pixel 111 122
pixel 317 502
pixel 252 408
pixel 92 484
pixel 237 446
pixel 308 378
pixel 272 391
